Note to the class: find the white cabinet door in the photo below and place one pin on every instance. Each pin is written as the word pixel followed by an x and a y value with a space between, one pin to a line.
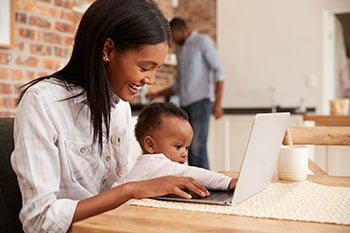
pixel 228 138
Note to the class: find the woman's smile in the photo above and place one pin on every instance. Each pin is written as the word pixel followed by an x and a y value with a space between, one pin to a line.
pixel 135 88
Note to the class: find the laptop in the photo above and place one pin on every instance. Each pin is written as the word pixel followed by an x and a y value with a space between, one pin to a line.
pixel 258 165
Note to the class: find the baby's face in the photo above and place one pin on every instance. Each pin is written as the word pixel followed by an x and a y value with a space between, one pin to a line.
pixel 174 138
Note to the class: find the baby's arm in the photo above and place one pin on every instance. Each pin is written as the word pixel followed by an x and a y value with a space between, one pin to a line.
pixel 232 184
pixel 210 179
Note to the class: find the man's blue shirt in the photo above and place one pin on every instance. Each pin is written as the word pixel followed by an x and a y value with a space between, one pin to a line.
pixel 198 66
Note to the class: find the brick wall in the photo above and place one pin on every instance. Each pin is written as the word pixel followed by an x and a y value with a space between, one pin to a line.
pixel 44 34
pixel 199 14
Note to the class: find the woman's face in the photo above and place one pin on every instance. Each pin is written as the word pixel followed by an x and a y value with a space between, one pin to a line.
pixel 129 71
pixel 173 139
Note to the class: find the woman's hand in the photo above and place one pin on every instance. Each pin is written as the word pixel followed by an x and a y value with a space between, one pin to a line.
pixel 167 185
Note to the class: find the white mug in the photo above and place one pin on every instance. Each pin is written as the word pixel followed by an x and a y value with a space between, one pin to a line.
pixel 293 162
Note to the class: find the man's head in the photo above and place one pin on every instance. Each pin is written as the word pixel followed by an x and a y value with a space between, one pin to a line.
pixel 179 30
pixel 164 128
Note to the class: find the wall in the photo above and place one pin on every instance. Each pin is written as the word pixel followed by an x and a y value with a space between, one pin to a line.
pixel 43 39
pixel 44 33
pixel 272 43
pixel 199 14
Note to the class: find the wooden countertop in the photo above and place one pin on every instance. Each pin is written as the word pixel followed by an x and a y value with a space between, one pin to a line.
pixel 130 218
pixel 136 108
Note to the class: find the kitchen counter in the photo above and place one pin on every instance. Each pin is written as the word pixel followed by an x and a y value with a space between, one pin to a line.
pixel 136 108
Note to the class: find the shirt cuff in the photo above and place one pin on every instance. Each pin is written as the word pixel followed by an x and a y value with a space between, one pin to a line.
pixel 60 215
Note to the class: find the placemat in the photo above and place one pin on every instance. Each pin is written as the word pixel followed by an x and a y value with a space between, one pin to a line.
pixel 302 201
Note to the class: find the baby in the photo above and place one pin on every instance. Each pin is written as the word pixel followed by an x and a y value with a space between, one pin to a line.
pixel 165 134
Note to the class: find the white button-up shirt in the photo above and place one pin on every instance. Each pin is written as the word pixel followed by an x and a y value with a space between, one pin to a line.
pixel 55 159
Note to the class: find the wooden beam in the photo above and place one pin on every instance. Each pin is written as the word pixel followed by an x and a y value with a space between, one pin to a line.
pixel 318 135
pixel 328 120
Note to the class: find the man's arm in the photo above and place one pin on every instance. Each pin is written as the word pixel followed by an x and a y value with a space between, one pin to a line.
pixel 165 92
pixel 217 108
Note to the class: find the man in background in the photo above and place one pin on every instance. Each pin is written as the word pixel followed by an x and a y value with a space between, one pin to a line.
pixel 199 84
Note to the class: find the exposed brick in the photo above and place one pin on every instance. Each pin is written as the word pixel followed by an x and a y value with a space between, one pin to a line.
pixel 40 49
pixel 51 64
pixel 27 33
pixel 35 38
pixel 68 15
pixel 54 12
pixel 30 75
pixel 8 102
pixel 64 3
pixel 5 88
pixel 51 37
pixel 44 10
pixel 200 15
pixel 39 21
pixel 69 40
pixel 19 45
pixel 16 74
pixel 4 73
pixel 21 17
pixel 64 27
pixel 19 60
pixel 17 88
pixel 44 36
pixel 61 52
pixel 4 57
pixel 27 5
pixel 32 62
pixel 43 73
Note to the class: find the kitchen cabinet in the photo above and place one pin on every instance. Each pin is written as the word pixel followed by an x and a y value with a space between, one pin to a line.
pixel 228 139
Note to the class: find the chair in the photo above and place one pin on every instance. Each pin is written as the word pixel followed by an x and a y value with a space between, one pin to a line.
pixel 10 195
pixel 317 135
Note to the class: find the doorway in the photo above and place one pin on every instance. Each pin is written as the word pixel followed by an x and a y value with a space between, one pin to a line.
pixel 336 42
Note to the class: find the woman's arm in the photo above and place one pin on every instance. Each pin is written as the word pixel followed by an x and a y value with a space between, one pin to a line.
pixel 141 189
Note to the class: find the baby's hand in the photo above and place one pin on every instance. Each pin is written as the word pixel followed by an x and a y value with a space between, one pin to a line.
pixel 232 184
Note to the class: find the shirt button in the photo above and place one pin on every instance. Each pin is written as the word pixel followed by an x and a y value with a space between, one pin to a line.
pixel 118 140
pixel 113 140
pixel 108 158
pixel 83 150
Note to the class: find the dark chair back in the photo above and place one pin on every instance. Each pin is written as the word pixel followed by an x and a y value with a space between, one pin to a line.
pixel 10 195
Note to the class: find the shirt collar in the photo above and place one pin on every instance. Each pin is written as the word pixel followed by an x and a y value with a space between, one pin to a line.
pixel 79 93
pixel 81 98
pixel 191 36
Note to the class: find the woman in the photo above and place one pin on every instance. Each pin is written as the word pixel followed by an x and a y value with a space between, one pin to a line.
pixel 72 128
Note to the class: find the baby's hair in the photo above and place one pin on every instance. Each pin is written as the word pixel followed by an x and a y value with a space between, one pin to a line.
pixel 150 118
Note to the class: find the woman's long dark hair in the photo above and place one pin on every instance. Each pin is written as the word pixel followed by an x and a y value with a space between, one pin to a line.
pixel 130 24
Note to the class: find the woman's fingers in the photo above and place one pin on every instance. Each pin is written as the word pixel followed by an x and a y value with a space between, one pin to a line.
pixel 189 184
pixel 168 185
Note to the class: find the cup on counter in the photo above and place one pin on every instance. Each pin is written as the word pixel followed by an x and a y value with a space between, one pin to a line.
pixel 339 106
pixel 293 162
